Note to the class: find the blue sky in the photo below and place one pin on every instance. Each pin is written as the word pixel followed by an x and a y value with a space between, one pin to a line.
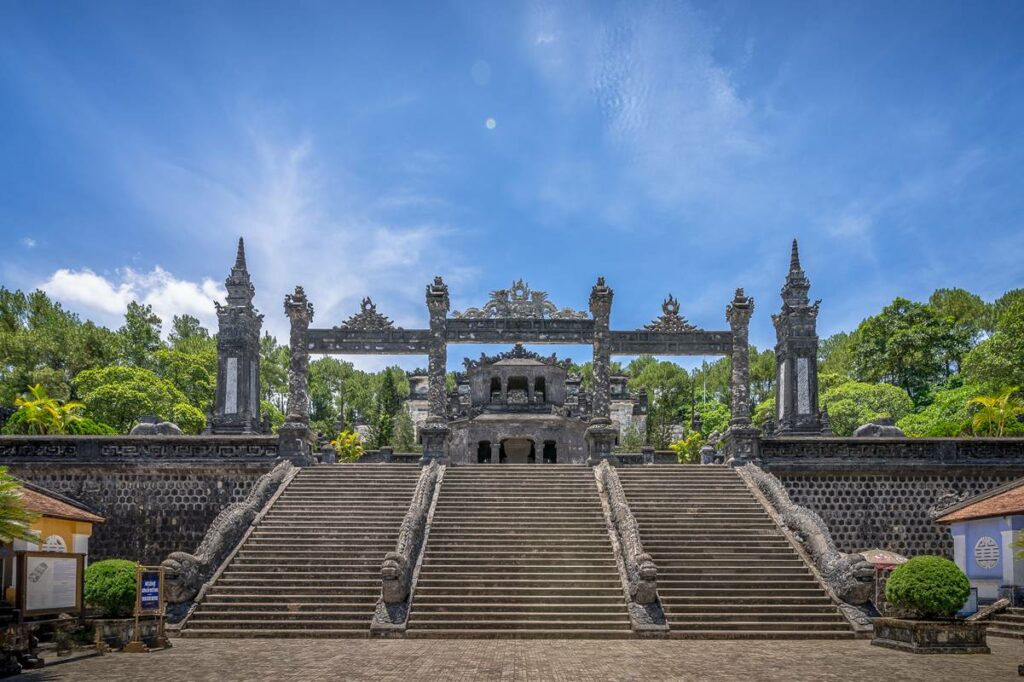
pixel 669 147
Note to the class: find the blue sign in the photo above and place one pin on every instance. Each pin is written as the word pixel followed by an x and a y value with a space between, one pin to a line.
pixel 149 591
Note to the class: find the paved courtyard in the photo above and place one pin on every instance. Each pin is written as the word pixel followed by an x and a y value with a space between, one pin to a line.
pixel 568 660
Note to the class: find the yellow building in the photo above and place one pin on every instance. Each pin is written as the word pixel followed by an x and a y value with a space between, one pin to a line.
pixel 64 525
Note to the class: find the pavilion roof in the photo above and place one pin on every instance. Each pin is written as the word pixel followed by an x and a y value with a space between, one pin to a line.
pixel 1006 500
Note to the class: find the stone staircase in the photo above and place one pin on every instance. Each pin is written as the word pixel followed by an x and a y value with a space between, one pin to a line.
pixel 724 568
pixel 1009 623
pixel 311 568
pixel 519 551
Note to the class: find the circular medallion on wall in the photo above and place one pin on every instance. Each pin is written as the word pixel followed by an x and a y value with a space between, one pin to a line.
pixel 986 552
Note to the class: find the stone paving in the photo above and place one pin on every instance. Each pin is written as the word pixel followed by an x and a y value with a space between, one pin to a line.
pixel 557 660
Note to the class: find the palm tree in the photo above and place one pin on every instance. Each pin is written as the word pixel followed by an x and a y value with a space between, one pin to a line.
pixel 996 411
pixel 15 520
pixel 44 415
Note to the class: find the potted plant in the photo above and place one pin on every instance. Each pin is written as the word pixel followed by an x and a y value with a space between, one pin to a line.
pixel 926 593
pixel 110 590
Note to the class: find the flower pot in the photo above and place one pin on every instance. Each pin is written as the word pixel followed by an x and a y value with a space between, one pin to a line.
pixel 931 636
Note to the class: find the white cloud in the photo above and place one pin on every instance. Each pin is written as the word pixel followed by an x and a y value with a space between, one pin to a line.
pixel 104 299
pixel 671 110
pixel 28 242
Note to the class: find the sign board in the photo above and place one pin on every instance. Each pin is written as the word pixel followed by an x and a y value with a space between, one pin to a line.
pixel 150 591
pixel 50 582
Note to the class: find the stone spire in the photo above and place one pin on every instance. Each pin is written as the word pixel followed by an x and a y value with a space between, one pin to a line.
pixel 238 283
pixel 794 292
pixel 236 404
pixel 796 355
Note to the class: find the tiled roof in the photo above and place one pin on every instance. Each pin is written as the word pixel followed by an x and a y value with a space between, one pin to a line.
pixel 41 503
pixel 1004 501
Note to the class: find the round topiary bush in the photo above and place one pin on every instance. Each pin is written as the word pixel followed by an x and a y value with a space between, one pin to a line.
pixel 110 587
pixel 930 586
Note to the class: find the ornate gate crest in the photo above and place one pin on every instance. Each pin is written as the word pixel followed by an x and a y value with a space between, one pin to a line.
pixel 520 302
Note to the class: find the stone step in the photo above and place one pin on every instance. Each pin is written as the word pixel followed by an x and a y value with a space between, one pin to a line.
pixel 303 624
pixel 360 632
pixel 473 631
pixel 994 630
pixel 612 617
pixel 761 633
pixel 417 622
pixel 769 616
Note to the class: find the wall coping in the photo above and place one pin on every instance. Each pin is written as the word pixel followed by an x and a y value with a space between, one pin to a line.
pixel 137 448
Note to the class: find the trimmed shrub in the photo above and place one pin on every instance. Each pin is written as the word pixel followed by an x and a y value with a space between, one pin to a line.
pixel 930 586
pixel 110 587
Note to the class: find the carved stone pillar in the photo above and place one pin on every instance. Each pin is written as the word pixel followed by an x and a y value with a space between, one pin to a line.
pixel 741 440
pixel 434 433
pixel 295 440
pixel 601 434
pixel 496 453
pixel 796 356
pixel 738 313
pixel 236 408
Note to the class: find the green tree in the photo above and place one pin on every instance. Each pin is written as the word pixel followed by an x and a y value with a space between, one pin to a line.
pixel 347 446
pixel 140 335
pixel 997 412
pixel 762 374
pixel 964 309
pixel 274 360
pixel 41 343
pixel 714 416
pixel 764 412
pixel 42 415
pixel 15 521
pixel 185 330
pixel 405 432
pixel 193 373
pixel 835 357
pixel 949 414
pixel 669 390
pixel 908 345
pixel 120 396
pixel 855 403
pixel 998 361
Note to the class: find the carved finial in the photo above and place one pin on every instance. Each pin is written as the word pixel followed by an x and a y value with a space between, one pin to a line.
pixel 240 256
pixel 794 258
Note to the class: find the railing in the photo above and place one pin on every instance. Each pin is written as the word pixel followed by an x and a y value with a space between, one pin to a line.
pixel 399 568
pixel 636 567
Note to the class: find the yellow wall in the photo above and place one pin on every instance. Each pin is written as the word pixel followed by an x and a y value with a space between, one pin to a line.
pixel 47 526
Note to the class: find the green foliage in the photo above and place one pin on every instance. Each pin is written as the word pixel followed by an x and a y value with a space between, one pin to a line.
pixel 998 361
pixel 15 521
pixel 855 403
pixel 835 359
pixel 405 432
pixel 908 345
pixel 932 586
pixel 964 309
pixel 688 449
pixel 41 343
pixel 997 412
pixel 714 416
pixel 632 440
pixel 119 396
pixel 347 446
pixel 110 587
pixel 39 414
pixel 276 416
pixel 764 412
pixel 187 334
pixel 669 389
pixel 192 373
pixel 762 375
pixel 273 372
pixel 188 418
pixel 139 337
pixel 949 414
pixel 90 427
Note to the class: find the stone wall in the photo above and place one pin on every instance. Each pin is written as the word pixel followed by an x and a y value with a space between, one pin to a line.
pixel 158 494
pixel 878 492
